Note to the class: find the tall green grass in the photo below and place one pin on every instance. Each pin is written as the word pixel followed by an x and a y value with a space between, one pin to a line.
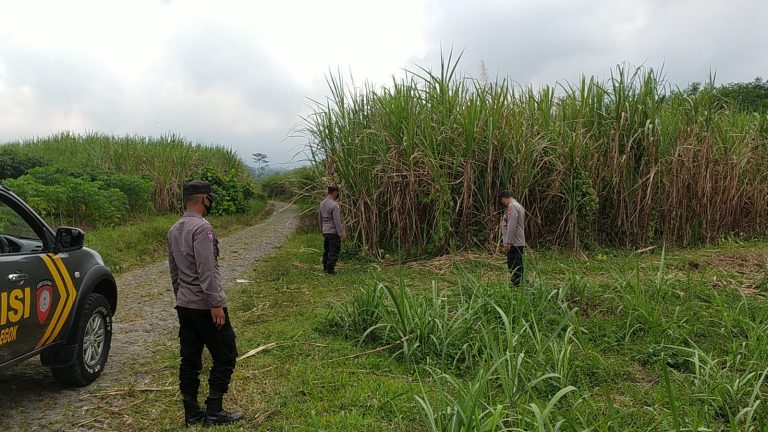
pixel 168 161
pixel 624 161
pixel 632 353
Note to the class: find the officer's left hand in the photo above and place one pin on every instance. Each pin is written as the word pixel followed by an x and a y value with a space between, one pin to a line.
pixel 218 317
pixel 507 246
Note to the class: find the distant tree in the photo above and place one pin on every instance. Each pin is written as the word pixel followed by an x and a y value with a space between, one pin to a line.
pixel 743 96
pixel 262 162
pixel 693 89
pixel 747 96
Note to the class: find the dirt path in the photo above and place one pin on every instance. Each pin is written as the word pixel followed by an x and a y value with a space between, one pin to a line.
pixel 145 324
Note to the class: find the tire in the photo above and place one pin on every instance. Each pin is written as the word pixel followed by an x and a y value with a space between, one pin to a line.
pixel 93 340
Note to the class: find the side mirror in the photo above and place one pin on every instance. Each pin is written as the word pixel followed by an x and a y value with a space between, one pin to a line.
pixel 70 239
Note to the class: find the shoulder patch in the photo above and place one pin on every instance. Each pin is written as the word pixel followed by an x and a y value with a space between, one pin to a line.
pixel 211 236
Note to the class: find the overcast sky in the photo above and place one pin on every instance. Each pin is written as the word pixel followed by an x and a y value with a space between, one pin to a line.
pixel 241 73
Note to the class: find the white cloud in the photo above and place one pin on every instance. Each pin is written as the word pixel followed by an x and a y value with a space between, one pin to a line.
pixel 238 72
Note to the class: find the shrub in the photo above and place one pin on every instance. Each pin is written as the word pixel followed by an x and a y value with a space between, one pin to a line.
pixel 14 163
pixel 71 197
pixel 233 195
pixel 73 201
pixel 136 189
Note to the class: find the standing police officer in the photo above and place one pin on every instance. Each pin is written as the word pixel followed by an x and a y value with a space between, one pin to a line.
pixel 193 255
pixel 329 218
pixel 513 234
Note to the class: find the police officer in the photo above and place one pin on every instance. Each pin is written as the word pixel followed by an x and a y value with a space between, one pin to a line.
pixel 513 234
pixel 193 254
pixel 329 218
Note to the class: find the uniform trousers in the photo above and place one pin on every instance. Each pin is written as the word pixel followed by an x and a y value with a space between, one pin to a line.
pixel 196 329
pixel 331 248
pixel 515 264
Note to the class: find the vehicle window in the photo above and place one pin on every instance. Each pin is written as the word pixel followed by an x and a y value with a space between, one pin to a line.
pixel 12 224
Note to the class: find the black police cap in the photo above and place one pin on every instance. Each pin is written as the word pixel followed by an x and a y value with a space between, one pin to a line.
pixel 197 188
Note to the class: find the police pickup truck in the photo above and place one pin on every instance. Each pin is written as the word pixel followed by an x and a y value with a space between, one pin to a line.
pixel 57 298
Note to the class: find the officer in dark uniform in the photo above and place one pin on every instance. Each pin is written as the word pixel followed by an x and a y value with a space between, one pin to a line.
pixel 513 234
pixel 329 218
pixel 193 254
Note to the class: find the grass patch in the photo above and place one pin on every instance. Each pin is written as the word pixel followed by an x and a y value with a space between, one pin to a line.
pixel 673 349
pixel 613 341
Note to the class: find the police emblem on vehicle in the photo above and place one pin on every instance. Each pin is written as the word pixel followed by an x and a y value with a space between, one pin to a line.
pixel 44 300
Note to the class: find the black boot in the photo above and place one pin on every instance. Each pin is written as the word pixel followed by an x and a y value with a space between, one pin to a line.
pixel 193 414
pixel 216 416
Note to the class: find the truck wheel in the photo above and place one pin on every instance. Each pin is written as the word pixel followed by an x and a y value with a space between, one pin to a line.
pixel 93 337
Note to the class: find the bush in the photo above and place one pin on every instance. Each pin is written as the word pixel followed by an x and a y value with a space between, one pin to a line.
pixel 69 196
pixel 13 163
pixel 73 201
pixel 55 174
pixel 136 189
pixel 233 195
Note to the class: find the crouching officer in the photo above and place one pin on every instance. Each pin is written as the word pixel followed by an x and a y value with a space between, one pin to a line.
pixel 193 254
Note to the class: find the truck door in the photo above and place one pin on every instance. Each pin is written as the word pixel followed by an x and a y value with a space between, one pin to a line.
pixel 31 286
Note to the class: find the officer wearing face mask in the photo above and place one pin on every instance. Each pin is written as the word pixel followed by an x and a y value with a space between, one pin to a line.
pixel 193 255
